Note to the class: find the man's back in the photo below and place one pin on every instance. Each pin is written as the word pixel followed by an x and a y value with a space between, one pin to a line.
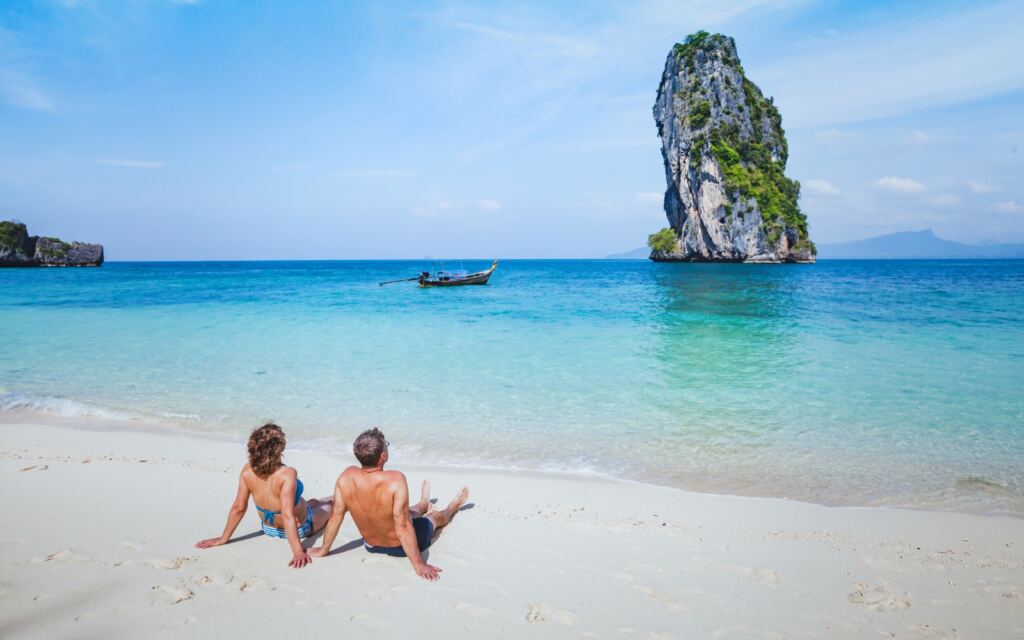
pixel 379 503
pixel 370 497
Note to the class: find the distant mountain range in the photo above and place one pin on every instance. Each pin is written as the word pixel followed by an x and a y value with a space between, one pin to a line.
pixel 915 245
pixel 641 253
pixel 904 245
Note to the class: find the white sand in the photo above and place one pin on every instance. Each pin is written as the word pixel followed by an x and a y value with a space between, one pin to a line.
pixel 100 525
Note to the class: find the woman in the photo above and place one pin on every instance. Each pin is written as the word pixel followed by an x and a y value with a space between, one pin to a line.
pixel 277 493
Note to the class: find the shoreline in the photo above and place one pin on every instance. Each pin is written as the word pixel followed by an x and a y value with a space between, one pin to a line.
pixel 150 424
pixel 537 555
pixel 145 423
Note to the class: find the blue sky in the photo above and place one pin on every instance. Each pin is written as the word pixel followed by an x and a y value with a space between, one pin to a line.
pixel 234 130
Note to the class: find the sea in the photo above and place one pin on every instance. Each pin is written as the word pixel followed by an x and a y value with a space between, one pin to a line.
pixel 875 383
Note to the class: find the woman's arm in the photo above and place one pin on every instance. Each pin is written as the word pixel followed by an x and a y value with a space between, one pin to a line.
pixel 299 556
pixel 238 508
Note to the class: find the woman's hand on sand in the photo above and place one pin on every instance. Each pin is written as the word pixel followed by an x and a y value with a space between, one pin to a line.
pixel 300 560
pixel 210 542
pixel 428 572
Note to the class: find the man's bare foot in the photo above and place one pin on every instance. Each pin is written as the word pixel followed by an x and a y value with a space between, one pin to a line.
pixel 422 507
pixel 425 493
pixel 460 499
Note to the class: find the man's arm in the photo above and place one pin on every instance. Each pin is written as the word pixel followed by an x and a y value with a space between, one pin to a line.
pixel 406 534
pixel 333 523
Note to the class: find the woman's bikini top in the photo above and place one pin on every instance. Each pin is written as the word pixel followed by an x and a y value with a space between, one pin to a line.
pixel 268 515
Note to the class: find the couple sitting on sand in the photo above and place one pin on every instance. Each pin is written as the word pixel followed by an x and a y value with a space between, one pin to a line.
pixel 377 499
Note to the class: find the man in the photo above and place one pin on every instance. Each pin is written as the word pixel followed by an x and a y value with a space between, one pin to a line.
pixel 379 502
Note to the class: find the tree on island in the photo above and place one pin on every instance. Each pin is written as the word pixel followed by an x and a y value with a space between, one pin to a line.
pixel 664 241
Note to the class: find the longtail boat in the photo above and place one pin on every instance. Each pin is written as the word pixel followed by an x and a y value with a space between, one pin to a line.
pixel 456 278
pixel 444 278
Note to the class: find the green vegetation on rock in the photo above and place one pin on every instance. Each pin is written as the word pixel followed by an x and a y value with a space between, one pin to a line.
pixel 53 247
pixel 664 241
pixel 12 234
pixel 747 167
pixel 687 49
pixel 700 114
pixel 805 244
pixel 696 149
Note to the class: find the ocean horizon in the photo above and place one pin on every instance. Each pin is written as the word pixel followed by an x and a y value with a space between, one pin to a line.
pixel 849 382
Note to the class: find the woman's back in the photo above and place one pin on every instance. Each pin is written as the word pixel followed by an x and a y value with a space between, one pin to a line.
pixel 266 492
pixel 276 491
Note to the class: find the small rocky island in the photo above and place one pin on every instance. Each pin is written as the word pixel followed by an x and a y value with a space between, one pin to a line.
pixel 728 199
pixel 18 249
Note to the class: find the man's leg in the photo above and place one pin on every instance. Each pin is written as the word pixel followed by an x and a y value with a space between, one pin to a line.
pixel 423 506
pixel 444 516
pixel 321 509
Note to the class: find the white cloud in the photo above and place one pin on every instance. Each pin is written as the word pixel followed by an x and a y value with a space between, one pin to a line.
pixel 1010 206
pixel 132 164
pixel 447 206
pixel 918 137
pixel 903 185
pixel 820 187
pixel 375 173
pixel 835 135
pixel 20 91
pixel 567 46
pixel 888 68
pixel 487 204
pixel 652 197
pixel 650 142
pixel 944 200
pixel 980 187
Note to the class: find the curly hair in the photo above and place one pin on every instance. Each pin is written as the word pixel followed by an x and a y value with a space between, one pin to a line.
pixel 266 445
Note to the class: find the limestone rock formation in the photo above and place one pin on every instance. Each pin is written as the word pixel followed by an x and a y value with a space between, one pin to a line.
pixel 18 249
pixel 728 199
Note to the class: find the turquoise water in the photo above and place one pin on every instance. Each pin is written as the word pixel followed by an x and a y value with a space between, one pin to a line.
pixel 845 382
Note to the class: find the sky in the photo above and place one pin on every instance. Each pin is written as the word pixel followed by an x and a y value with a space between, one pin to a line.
pixel 211 129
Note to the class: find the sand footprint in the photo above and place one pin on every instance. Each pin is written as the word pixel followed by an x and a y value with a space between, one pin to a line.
pixel 213 578
pixel 877 598
pixel 256 584
pixel 385 594
pixel 663 598
pixel 472 610
pixel 546 613
pixel 171 564
pixel 764 576
pixel 168 595
pixel 369 623
pixel 63 556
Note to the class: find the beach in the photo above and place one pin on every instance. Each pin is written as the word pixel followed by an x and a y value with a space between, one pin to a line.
pixel 852 383
pixel 104 517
